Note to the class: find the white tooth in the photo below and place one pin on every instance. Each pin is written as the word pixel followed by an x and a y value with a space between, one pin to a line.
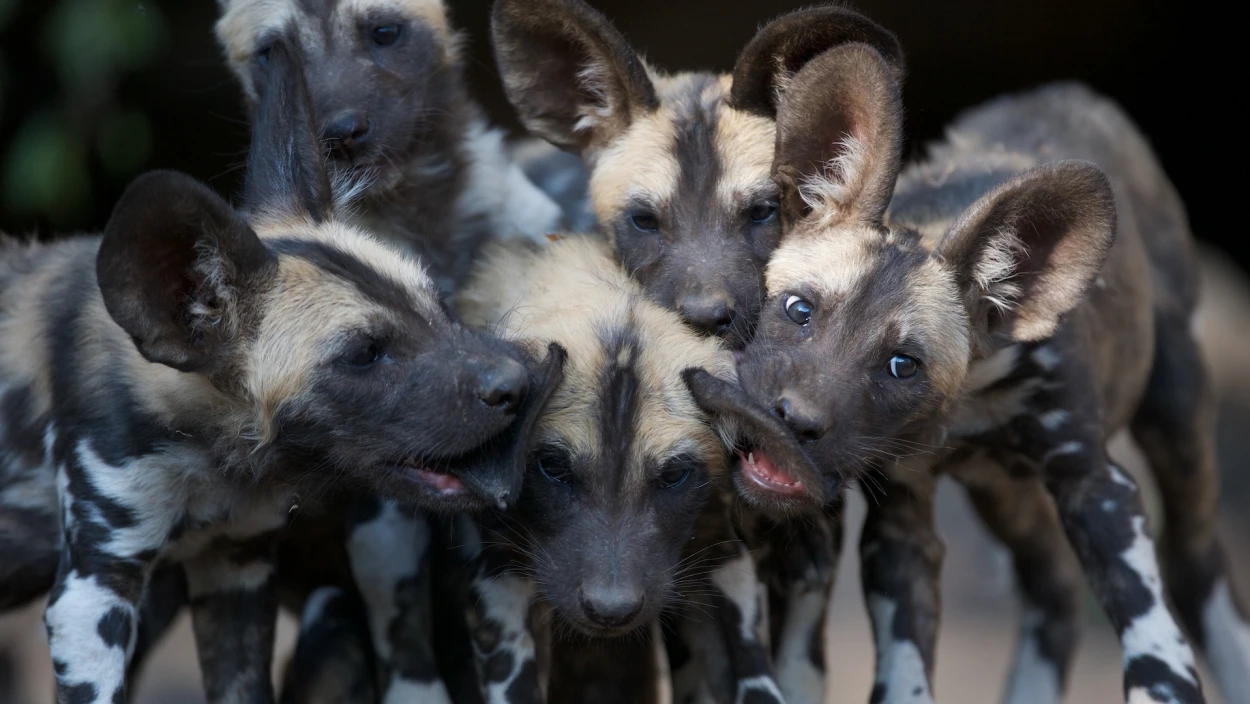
pixel 750 458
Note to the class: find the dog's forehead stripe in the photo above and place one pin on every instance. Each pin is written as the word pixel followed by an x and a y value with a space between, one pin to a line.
pixel 371 283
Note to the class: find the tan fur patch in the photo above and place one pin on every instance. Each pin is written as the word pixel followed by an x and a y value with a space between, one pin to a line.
pixel 832 263
pixel 640 164
pixel 744 144
pixel 570 291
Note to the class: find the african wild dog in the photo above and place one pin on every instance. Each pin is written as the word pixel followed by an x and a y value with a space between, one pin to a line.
pixel 680 180
pixel 192 375
pixel 391 100
pixel 622 469
pixel 995 319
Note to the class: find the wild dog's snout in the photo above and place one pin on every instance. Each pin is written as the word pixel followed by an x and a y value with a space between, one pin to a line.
pixel 503 384
pixel 709 313
pixel 611 605
pixel 347 131
pixel 807 424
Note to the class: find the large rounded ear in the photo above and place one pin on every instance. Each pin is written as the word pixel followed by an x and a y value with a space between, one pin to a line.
pixel 286 170
pixel 174 267
pixel 1026 253
pixel 785 45
pixel 839 137
pixel 572 77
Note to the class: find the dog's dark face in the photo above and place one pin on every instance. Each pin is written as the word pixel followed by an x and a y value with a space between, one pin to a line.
pixel 623 459
pixel 679 164
pixel 334 348
pixel 868 333
pixel 378 71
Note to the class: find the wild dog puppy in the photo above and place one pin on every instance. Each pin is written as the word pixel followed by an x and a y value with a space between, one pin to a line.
pixel 390 99
pixel 680 180
pixel 191 374
pixel 996 319
pixel 622 469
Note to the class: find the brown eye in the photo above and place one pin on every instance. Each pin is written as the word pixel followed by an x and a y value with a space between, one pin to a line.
pixel 798 310
pixel 903 367
pixel 364 355
pixel 675 474
pixel 386 34
pixel 762 213
pixel 644 222
pixel 555 466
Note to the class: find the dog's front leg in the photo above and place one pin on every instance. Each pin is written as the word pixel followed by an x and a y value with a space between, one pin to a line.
pixel 234 608
pixel 901 562
pixel 107 556
pixel 502 629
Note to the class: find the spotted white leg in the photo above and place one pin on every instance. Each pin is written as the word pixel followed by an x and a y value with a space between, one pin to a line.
pixel 500 628
pixel 234 611
pixel 740 607
pixel 109 549
pixel 387 548
pixel 1176 429
pixel 1102 512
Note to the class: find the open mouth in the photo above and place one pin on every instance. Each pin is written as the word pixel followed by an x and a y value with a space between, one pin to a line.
pixel 441 480
pixel 758 467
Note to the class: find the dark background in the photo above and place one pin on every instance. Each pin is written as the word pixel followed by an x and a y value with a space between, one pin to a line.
pixel 93 92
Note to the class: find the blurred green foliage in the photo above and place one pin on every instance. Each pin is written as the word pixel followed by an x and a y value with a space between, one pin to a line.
pixel 85 131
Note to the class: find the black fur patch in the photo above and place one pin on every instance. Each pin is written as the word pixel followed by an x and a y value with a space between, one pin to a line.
pixel 1153 674
pixel 114 627
pixel 371 284
pixel 498 666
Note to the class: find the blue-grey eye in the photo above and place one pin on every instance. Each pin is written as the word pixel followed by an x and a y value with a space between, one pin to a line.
pixel 761 213
pixel 386 34
pixel 644 222
pixel 674 475
pixel 798 310
pixel 903 367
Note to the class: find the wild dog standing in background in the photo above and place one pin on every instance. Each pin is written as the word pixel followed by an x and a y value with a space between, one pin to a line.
pixel 680 180
pixel 391 100
pixel 622 469
pixel 997 318
pixel 192 374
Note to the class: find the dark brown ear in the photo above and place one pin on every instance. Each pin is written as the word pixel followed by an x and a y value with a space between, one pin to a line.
pixel 286 170
pixel 785 45
pixel 173 267
pixel 839 137
pixel 1025 254
pixel 572 77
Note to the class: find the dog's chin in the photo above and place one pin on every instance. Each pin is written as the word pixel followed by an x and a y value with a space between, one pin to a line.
pixel 769 488
pixel 591 629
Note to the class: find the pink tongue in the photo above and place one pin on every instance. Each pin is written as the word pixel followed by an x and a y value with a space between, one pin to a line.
pixel 444 483
pixel 757 463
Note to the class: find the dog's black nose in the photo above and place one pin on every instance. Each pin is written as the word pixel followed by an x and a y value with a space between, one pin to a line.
pixel 347 131
pixel 712 314
pixel 807 426
pixel 611 606
pixel 503 385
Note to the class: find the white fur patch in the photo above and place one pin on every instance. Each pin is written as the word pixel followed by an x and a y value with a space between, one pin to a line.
pixel 757 684
pixel 800 681
pixel 1034 679
pixel 402 691
pixel 75 638
pixel 983 373
pixel 997 266
pixel 1228 642
pixel 1046 357
pixel 315 606
pixel 506 602
pixel 737 581
pixel 383 552
pixel 1070 447
pixel 1155 632
pixel 1054 420
pixel 900 668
